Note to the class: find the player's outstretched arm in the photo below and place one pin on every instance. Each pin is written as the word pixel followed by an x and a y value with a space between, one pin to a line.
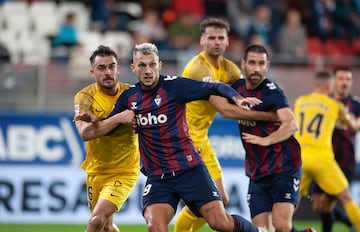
pixel 90 126
pixel 228 110
pixel 348 118
pixel 287 127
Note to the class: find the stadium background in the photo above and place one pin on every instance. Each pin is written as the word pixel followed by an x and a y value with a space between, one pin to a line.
pixel 40 151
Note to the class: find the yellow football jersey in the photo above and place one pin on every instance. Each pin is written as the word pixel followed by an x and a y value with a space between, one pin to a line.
pixel 317 115
pixel 200 114
pixel 116 151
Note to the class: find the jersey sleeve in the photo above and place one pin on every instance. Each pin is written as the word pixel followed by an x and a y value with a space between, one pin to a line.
pixel 278 98
pixel 199 90
pixel 120 104
pixel 83 102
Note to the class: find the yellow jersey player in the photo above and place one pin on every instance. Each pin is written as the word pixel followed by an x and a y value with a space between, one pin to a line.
pixel 112 161
pixel 209 65
pixel 317 114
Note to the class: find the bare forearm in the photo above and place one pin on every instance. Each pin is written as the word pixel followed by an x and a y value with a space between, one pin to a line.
pixel 228 110
pixel 285 130
pixel 92 130
pixel 238 113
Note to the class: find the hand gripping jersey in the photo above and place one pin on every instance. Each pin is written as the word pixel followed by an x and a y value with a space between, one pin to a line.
pixel 343 138
pixel 165 145
pixel 117 151
pixel 277 158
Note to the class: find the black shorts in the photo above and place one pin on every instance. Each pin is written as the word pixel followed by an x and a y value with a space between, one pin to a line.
pixel 263 193
pixel 194 186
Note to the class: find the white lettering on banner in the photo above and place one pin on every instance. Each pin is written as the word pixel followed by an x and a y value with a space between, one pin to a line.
pixel 2 147
pixel 56 194
pixel 21 144
pixel 46 134
pixel 77 153
pixel 27 143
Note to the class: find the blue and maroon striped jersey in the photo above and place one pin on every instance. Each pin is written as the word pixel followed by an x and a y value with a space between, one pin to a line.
pixel 165 144
pixel 280 157
pixel 343 139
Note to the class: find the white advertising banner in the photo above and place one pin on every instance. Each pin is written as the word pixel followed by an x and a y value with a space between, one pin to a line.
pixel 41 180
pixel 57 194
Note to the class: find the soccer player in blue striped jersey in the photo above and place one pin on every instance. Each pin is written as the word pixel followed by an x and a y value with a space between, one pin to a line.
pixel 273 159
pixel 174 168
pixel 343 141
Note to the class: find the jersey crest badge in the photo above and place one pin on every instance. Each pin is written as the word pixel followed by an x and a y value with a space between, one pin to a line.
pixel 157 100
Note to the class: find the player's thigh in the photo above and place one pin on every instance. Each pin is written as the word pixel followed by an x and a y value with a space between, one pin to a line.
pixel 199 191
pixel 330 178
pixel 214 213
pixel 159 214
pixel 116 188
pixel 93 187
pixel 259 199
pixel 322 202
pixel 211 161
pixel 262 219
pixel 161 190
pixel 282 212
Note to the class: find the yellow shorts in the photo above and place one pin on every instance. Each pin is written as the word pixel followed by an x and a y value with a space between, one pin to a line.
pixel 325 171
pixel 210 159
pixel 115 188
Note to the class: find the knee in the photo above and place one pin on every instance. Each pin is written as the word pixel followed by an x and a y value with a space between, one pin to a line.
pixel 218 223
pixel 155 227
pixel 281 225
pixel 97 222
pixel 111 227
pixel 344 197
pixel 318 208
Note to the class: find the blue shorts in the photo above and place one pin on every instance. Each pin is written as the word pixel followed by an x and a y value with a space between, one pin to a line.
pixel 263 193
pixel 194 186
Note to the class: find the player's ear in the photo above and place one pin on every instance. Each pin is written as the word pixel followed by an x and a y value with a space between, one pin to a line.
pixel 267 66
pixel 91 71
pixel 242 64
pixel 132 67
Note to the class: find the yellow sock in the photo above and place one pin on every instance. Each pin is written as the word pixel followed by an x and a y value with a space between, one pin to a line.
pixel 186 222
pixel 353 213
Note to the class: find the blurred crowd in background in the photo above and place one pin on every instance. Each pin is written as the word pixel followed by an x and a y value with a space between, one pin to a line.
pixel 45 45
pixel 285 26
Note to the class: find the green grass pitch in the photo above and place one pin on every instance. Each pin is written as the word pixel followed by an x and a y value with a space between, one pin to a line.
pixel 130 228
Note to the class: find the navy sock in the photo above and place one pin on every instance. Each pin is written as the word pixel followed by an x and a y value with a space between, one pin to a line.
pixel 340 215
pixel 243 225
pixel 327 220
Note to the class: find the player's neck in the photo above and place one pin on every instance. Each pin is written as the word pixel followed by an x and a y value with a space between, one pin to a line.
pixel 324 91
pixel 110 92
pixel 339 96
pixel 213 60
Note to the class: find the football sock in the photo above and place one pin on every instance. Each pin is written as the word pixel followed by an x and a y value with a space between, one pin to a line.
pixel 340 215
pixel 327 220
pixel 187 222
pixel 243 225
pixel 353 213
